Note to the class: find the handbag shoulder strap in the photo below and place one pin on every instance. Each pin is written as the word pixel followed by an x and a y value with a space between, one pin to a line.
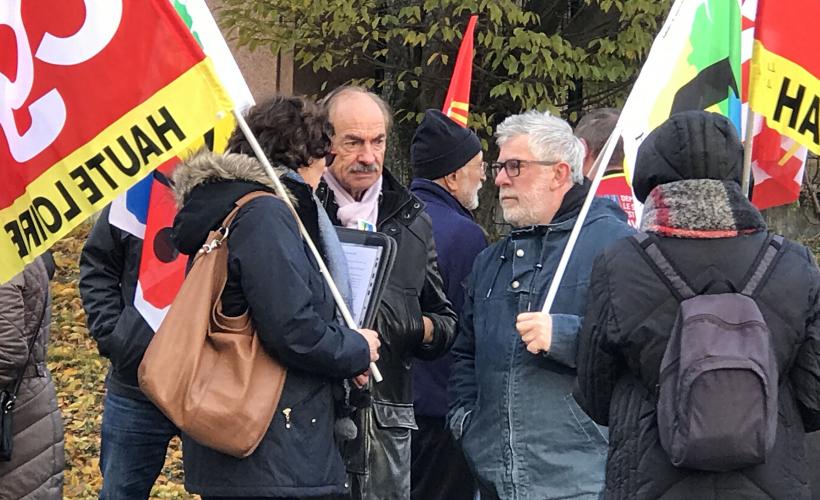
pixel 241 202
pixel 219 235
pixel 19 380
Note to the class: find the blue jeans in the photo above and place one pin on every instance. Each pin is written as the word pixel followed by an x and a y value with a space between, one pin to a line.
pixel 135 437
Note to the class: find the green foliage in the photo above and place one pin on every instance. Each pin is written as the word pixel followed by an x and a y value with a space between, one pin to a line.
pixel 564 56
pixel 529 53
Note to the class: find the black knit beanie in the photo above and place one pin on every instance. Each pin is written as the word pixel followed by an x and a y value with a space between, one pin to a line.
pixel 441 146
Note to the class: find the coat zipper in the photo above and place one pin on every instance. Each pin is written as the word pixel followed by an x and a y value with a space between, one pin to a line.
pixel 510 420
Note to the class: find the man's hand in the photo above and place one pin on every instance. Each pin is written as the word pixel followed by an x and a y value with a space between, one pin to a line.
pixel 535 329
pixel 428 329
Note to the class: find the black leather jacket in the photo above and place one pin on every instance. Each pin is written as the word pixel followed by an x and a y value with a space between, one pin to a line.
pixel 414 289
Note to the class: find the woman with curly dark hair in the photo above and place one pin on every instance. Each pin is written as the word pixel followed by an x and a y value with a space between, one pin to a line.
pixel 273 276
pixel 294 133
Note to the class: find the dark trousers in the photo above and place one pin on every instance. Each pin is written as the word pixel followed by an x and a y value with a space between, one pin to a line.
pixel 438 468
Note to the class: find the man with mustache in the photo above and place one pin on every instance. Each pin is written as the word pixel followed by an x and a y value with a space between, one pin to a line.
pixel 415 318
pixel 449 169
pixel 511 404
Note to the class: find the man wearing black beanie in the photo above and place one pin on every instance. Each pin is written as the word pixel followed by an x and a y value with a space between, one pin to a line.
pixel 448 171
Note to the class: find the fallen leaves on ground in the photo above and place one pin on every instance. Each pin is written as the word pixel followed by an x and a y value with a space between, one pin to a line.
pixel 79 374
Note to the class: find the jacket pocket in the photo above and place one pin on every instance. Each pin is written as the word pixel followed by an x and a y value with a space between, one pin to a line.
pixel 394 415
pixel 389 448
pixel 126 344
pixel 399 320
pixel 594 434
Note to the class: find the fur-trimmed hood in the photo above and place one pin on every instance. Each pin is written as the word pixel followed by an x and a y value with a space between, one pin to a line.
pixel 206 187
pixel 206 167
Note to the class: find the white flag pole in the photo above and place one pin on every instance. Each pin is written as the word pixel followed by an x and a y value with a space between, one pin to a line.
pixel 280 191
pixel 599 167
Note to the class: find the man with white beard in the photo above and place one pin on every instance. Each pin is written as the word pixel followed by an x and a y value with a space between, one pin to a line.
pixel 448 171
pixel 511 404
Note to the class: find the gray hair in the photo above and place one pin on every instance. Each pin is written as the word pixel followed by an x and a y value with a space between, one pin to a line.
pixel 550 139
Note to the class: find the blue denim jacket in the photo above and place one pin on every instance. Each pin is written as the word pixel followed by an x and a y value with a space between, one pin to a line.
pixel 520 428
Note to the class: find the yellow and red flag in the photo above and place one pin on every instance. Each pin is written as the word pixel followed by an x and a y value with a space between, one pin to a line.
pixel 778 162
pixel 457 102
pixel 91 100
pixel 785 73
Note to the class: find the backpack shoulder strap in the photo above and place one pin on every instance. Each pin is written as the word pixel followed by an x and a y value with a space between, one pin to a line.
pixel 762 265
pixel 648 247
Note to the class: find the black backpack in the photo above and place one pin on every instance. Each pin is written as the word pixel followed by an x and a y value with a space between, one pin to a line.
pixel 717 390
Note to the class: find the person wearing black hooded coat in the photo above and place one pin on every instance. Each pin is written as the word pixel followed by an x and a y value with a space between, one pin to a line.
pixel 273 275
pixel 688 174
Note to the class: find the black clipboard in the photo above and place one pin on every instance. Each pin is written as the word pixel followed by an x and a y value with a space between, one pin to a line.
pixel 373 255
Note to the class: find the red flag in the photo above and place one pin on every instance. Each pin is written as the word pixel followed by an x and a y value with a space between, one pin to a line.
pixel 777 161
pixel 785 73
pixel 159 284
pixel 778 166
pixel 91 100
pixel 457 102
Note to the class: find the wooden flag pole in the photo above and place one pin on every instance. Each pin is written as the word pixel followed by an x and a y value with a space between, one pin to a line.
pixel 745 180
pixel 280 191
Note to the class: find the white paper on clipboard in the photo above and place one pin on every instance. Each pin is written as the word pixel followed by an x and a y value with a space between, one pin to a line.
pixel 363 265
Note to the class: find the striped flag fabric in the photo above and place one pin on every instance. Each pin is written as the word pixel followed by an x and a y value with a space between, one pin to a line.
pixel 694 64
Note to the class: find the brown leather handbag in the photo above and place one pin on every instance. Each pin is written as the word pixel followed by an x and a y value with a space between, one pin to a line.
pixel 208 372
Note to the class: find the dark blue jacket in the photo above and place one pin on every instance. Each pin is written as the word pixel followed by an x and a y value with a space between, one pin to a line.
pixel 521 430
pixel 458 241
pixel 271 273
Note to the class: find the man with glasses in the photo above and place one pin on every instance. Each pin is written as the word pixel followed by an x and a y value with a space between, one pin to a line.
pixel 415 318
pixel 511 404
pixel 448 171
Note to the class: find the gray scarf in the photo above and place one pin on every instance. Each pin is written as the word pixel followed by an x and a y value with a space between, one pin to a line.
pixel 700 208
pixel 334 255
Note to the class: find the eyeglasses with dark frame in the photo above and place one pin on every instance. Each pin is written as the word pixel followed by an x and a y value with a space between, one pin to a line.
pixel 513 166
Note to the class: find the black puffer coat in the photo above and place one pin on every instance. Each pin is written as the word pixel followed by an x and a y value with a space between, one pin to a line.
pixel 630 313
pixel 629 317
